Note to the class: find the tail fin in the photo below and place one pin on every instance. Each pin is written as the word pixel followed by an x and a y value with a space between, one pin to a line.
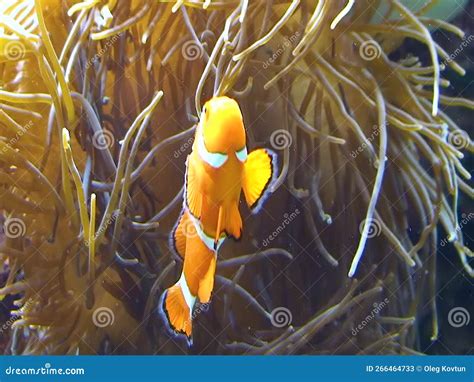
pixel 177 311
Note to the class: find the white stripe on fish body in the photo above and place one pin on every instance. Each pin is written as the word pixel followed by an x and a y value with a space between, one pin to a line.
pixel 215 160
pixel 206 239
pixel 188 296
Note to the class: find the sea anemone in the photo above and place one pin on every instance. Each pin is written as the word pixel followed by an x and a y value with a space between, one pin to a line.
pixel 98 105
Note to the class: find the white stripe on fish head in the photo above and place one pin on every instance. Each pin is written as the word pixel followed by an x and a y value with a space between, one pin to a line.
pixel 242 154
pixel 215 160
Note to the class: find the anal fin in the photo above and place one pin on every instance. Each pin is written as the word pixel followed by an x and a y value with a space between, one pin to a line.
pixel 233 221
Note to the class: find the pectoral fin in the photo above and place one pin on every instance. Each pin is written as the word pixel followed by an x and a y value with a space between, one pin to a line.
pixel 259 170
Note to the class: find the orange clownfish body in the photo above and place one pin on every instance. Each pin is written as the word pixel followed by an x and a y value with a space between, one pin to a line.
pixel 217 170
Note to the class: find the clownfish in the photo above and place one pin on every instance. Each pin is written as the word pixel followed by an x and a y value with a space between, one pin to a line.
pixel 218 169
